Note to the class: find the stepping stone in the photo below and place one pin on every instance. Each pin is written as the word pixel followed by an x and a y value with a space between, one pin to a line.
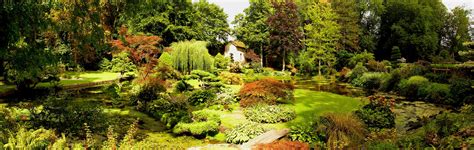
pixel 265 138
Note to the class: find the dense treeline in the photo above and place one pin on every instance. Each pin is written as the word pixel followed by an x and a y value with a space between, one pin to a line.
pixel 419 29
pixel 37 37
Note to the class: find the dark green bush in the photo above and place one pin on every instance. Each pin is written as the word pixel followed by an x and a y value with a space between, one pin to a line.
pixel 358 71
pixel 269 113
pixel 244 132
pixel 434 92
pixel 221 62
pixel 376 117
pixel 414 69
pixel 392 81
pixel 460 92
pixel 169 109
pixel 439 77
pixel 201 97
pixel 409 88
pixel 206 122
pixel 150 91
pixel 371 81
pixel 67 116
pixel 182 86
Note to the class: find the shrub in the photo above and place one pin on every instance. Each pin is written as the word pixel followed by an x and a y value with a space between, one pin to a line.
pixel 202 74
pixel 201 97
pixel 166 59
pixel 376 115
pixel 392 81
pixel 342 130
pixel 358 71
pixel 305 132
pixel 230 78
pixel 244 132
pixel 362 58
pixel 439 77
pixel 164 72
pixel 267 91
pixel 409 88
pixel 150 90
pixel 236 67
pixel 120 63
pixel 169 109
pixel 415 69
pixel 460 92
pixel 225 97
pixel 376 66
pixel 293 145
pixel 371 81
pixel 269 114
pixel 33 139
pixel 182 86
pixel 221 62
pixel 67 116
pixel 434 92
pixel 206 122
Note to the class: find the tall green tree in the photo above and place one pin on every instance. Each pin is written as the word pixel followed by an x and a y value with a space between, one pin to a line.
pixel 348 20
pixel 322 34
pixel 370 16
pixel 456 31
pixel 211 25
pixel 251 27
pixel 413 25
pixel 191 55
pixel 26 56
pixel 285 34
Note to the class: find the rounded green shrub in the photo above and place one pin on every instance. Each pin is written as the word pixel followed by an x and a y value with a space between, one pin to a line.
pixel 169 109
pixel 201 97
pixel 434 92
pixel 409 88
pixel 182 86
pixel 460 92
pixel 376 117
pixel 206 122
pixel 269 113
pixel 244 132
pixel 358 71
pixel 371 81
pixel 305 132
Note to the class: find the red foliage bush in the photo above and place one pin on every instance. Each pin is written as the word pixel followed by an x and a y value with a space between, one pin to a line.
pixel 267 91
pixel 283 145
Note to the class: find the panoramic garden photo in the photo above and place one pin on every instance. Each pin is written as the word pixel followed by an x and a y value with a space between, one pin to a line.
pixel 236 74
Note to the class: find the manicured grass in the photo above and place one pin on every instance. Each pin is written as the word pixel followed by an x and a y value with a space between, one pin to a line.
pixel 310 104
pixel 77 78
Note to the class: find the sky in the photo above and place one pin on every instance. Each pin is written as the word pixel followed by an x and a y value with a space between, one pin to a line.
pixel 234 7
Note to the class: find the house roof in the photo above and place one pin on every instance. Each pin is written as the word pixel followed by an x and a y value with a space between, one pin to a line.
pixel 239 44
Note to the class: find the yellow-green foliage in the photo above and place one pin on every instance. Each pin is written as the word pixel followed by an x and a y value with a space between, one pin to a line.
pixel 191 55
pixel 29 139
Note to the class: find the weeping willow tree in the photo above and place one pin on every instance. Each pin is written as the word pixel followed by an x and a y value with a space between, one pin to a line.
pixel 191 55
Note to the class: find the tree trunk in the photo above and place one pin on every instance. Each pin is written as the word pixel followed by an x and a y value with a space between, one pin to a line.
pixel 319 67
pixel 284 55
pixel 261 55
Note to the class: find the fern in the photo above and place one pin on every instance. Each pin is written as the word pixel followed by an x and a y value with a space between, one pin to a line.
pixel 34 139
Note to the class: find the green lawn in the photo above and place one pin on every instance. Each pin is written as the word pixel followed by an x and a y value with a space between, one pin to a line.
pixel 78 78
pixel 308 105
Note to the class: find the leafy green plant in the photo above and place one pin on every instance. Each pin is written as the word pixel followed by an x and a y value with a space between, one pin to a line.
pixel 231 78
pixel 244 132
pixel 460 92
pixel 371 81
pixel 67 116
pixel 269 114
pixel 166 59
pixel 305 133
pixel 221 62
pixel 378 113
pixel 201 97
pixel 120 63
pixel 30 139
pixel 409 88
pixel 358 71
pixel 204 122
pixel 169 109
pixel 182 86
pixel 434 92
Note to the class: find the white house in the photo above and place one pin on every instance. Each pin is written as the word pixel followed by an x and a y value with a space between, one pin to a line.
pixel 234 50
